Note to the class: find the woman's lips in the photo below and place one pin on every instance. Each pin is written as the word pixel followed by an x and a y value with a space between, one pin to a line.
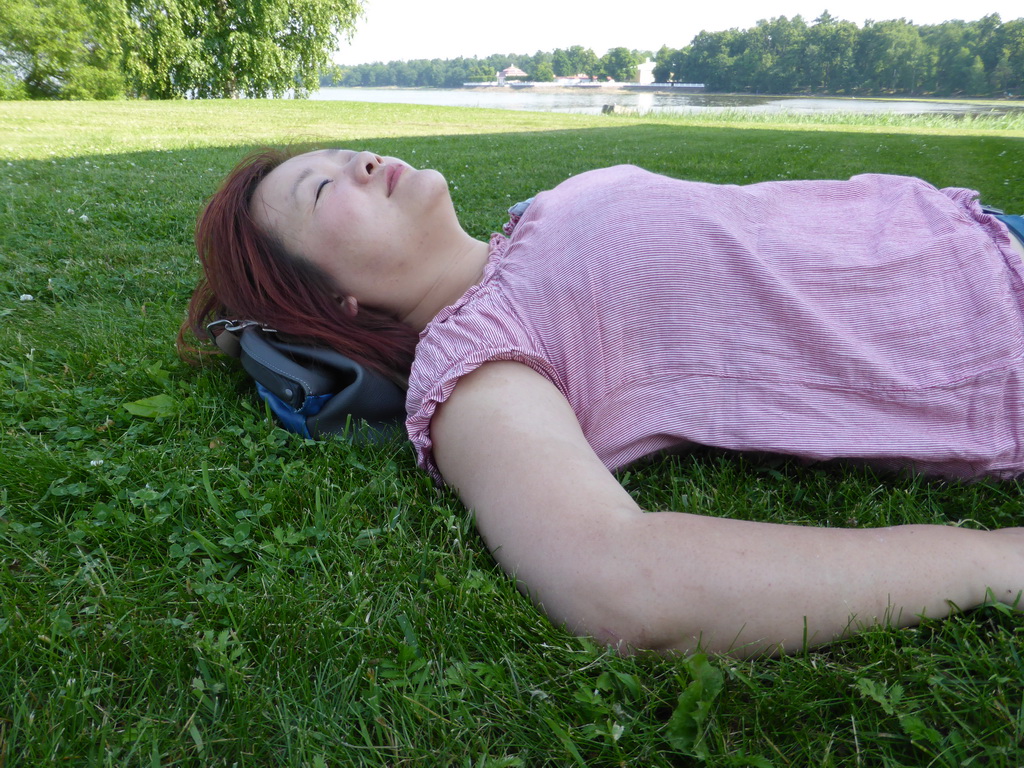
pixel 393 173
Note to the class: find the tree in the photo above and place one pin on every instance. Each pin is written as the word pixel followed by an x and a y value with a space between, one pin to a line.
pixel 711 57
pixel 218 48
pixel 561 64
pixel 1011 58
pixel 170 48
pixel 619 64
pixel 543 73
pixel 662 64
pixel 60 48
pixel 165 54
pixel 953 58
pixel 986 38
pixel 577 60
pixel 670 65
pixel 828 56
pixel 783 41
pixel 753 61
pixel 333 75
pixel 891 56
pixel 11 86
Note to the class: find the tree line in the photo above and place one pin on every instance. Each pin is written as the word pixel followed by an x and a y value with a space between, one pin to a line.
pixel 617 64
pixel 954 58
pixel 780 55
pixel 159 49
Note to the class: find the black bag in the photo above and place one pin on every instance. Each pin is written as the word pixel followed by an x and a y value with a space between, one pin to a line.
pixel 313 391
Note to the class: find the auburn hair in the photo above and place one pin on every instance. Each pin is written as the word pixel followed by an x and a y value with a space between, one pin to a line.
pixel 248 274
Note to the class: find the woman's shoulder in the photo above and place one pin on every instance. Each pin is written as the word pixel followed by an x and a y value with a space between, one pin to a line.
pixel 609 175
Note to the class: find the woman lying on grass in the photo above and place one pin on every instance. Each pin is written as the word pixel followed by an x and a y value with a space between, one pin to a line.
pixel 876 319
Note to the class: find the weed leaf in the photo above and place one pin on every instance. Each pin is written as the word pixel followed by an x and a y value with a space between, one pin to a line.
pixel 155 407
pixel 683 730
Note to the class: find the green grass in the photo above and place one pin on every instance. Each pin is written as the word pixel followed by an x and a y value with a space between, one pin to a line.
pixel 201 588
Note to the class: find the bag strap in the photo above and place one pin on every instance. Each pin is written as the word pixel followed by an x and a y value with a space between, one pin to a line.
pixel 226 334
pixel 317 390
pixel 294 372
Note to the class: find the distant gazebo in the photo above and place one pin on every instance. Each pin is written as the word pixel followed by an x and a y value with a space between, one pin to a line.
pixel 512 71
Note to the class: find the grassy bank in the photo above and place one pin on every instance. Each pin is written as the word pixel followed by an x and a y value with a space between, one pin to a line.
pixel 197 587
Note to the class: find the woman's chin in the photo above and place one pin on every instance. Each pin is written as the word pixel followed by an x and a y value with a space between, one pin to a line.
pixel 432 181
pixel 431 176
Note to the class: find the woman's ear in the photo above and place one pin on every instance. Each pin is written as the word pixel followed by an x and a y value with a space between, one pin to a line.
pixel 349 306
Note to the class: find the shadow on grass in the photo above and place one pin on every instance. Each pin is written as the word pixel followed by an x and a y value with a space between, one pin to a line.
pixel 121 224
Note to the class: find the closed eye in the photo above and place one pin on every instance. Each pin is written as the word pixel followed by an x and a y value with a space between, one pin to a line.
pixel 322 184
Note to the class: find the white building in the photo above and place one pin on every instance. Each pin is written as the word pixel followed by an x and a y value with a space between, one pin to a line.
pixel 645 73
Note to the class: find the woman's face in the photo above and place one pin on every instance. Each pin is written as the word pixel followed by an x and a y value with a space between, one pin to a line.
pixel 367 221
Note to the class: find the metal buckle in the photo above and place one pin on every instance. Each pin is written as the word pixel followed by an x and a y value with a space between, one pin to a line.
pixel 234 326
pixel 229 342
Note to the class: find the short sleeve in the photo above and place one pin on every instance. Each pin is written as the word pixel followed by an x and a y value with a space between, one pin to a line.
pixel 426 396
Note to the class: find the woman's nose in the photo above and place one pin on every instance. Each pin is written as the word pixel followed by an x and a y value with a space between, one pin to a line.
pixel 365 164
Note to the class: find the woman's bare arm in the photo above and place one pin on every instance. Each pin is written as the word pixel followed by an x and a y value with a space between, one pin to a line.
pixel 557 520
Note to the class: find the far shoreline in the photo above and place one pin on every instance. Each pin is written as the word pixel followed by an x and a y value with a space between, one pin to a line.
pixel 627 88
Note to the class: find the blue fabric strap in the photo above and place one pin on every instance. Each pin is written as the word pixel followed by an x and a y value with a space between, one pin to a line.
pixel 291 419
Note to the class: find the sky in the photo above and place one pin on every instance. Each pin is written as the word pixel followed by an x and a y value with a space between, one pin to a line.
pixel 445 29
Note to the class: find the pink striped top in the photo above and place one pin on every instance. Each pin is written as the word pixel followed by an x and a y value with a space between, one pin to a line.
pixel 877 318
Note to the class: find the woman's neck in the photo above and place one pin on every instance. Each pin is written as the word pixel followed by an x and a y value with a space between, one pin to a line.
pixel 464 269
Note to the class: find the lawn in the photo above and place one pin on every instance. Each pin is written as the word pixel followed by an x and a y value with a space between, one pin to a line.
pixel 194 586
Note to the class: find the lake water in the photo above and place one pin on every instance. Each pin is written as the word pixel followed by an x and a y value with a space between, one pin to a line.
pixel 591 101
